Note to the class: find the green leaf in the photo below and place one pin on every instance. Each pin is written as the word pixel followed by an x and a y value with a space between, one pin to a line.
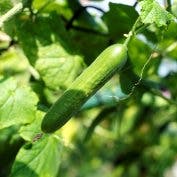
pixel 30 131
pixel 58 72
pixel 152 12
pixel 46 31
pixel 41 160
pixel 17 103
pixel 120 19
pixel 49 50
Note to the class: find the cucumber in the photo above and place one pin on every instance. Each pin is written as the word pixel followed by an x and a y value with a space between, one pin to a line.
pixel 90 80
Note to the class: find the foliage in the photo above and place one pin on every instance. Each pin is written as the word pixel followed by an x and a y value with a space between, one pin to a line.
pixel 127 129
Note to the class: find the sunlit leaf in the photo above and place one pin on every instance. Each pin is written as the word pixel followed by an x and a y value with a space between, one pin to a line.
pixel 152 12
pixel 40 160
pixel 17 103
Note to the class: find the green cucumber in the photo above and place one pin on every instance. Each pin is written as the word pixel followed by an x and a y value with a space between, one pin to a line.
pixel 93 78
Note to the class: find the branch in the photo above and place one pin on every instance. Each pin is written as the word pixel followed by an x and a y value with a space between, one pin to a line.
pixel 135 4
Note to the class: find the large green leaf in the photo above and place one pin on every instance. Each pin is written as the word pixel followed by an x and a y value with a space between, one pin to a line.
pixel 120 19
pixel 17 103
pixel 57 72
pixel 46 31
pixel 42 159
pixel 49 50
pixel 152 12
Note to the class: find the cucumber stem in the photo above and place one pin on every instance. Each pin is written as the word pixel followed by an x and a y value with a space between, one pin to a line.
pixel 132 32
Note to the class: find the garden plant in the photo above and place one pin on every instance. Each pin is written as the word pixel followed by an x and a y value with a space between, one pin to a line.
pixel 88 92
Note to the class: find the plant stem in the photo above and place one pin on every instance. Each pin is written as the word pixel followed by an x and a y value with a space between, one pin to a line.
pixel 17 8
pixel 142 28
pixel 132 32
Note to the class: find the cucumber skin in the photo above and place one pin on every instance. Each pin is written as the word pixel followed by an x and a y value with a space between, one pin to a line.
pixel 90 80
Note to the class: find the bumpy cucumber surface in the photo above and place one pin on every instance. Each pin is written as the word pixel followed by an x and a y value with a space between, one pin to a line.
pixel 90 80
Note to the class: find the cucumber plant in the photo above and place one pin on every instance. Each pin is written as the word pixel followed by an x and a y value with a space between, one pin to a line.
pixel 142 115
